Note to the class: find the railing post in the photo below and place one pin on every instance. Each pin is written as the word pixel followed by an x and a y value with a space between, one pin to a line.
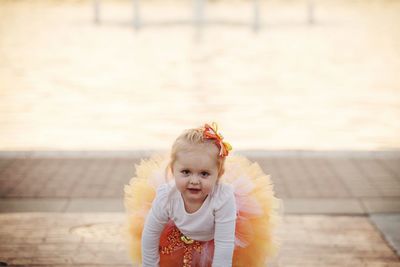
pixel 136 14
pixel 96 9
pixel 256 18
pixel 310 12
pixel 198 20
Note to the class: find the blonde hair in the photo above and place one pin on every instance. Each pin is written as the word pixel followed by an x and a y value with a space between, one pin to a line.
pixel 193 137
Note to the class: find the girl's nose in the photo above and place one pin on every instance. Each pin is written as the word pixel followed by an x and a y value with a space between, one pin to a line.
pixel 194 179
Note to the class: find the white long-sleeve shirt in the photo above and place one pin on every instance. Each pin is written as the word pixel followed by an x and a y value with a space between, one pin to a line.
pixel 215 219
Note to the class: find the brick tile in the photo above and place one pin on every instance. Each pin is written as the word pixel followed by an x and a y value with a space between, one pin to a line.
pixel 96 239
pixel 306 175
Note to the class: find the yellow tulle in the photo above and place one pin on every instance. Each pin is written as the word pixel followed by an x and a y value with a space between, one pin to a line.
pixel 257 208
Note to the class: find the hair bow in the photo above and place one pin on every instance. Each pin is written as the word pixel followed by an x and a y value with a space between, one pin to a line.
pixel 211 132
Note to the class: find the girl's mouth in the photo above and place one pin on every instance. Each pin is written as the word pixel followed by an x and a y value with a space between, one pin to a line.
pixel 194 190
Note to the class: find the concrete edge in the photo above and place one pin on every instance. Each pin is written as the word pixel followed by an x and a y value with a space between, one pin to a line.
pixel 381 205
pixel 63 205
pixel 342 206
pixel 327 206
pixel 388 225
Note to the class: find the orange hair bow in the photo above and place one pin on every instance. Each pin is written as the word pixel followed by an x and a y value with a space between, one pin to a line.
pixel 211 132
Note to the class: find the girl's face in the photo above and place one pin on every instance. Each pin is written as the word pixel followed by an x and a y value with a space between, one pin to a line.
pixel 196 172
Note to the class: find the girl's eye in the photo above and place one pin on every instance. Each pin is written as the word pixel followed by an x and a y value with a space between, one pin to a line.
pixel 185 172
pixel 204 174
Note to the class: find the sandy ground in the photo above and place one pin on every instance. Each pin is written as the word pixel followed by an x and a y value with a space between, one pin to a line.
pixel 66 83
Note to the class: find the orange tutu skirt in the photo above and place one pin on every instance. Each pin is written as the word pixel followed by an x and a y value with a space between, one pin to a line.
pixel 176 250
pixel 257 216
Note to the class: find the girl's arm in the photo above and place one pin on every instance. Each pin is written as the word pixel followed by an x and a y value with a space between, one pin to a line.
pixel 153 226
pixel 224 237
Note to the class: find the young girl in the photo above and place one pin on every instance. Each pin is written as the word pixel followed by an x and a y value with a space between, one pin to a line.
pixel 201 207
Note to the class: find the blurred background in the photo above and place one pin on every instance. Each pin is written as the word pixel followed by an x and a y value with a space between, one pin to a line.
pixel 68 83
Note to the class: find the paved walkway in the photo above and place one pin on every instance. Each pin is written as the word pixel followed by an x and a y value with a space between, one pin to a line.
pixel 98 239
pixel 341 208
pixel 344 182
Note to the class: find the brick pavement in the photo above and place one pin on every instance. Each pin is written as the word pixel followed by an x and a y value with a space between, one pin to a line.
pixel 35 239
pixel 99 239
pixel 364 182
